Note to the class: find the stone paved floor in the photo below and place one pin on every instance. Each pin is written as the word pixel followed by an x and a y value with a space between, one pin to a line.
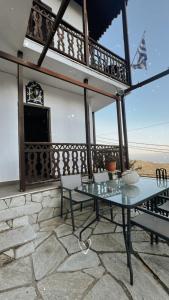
pixel 59 269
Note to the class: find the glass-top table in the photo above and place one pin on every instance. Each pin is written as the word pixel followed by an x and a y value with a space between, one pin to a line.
pixel 127 196
pixel 115 192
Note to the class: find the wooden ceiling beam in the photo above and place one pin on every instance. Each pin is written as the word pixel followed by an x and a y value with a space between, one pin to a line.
pixel 56 75
pixel 58 19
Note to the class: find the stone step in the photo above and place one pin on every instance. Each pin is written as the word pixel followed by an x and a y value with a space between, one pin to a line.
pixel 16 237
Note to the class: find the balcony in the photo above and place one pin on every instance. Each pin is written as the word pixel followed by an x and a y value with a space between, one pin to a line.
pixel 71 43
pixel 48 161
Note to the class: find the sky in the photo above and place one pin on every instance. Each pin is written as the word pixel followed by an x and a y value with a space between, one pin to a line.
pixel 147 108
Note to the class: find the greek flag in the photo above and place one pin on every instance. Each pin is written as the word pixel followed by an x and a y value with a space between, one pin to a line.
pixel 142 56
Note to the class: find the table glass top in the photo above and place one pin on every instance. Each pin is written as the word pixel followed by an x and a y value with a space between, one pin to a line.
pixel 125 195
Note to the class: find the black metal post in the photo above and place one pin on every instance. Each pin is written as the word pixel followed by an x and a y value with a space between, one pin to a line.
pixel 94 128
pixel 147 81
pixel 21 138
pixel 125 131
pixel 126 39
pixel 120 132
pixel 88 138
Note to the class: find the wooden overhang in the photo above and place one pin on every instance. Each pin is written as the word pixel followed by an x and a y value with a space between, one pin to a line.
pixel 101 14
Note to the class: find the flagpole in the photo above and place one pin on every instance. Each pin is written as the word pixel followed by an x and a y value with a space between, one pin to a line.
pixel 138 47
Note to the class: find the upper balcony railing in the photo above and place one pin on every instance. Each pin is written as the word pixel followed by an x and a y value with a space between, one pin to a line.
pixel 71 42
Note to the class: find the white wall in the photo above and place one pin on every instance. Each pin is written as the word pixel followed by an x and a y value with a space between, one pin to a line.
pixel 73 14
pixel 67 115
pixel 67 122
pixel 9 169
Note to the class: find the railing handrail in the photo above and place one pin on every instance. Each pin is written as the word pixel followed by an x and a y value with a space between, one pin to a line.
pixel 68 144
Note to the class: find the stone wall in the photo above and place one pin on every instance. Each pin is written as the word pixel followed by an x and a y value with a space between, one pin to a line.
pixel 21 218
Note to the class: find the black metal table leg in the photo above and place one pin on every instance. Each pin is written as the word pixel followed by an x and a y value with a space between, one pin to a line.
pixel 129 245
pixel 97 210
pixel 96 219
pixel 124 226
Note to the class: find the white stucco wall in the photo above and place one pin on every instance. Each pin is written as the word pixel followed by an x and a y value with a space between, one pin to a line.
pixel 67 122
pixel 9 169
pixel 73 14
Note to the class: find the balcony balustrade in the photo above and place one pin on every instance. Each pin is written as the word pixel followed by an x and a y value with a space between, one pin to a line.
pixel 71 42
pixel 48 161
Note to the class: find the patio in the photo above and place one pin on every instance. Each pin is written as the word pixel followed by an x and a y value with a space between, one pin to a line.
pixel 60 269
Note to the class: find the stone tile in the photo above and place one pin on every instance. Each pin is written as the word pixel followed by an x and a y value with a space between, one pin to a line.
pixel 36 227
pixel 90 219
pixel 118 229
pixel 145 286
pixel 16 274
pixel 40 237
pixel 83 216
pixel 96 272
pixel 37 197
pixel 159 265
pixel 85 235
pixel 17 201
pixel 78 223
pixel 140 236
pixel 10 223
pixel 16 212
pixel 33 219
pixel 10 253
pixel 16 237
pixel 8 201
pixel 51 222
pixel 71 244
pixel 24 250
pixel 136 236
pixel 22 221
pixel 46 194
pixel 47 257
pixel 106 288
pixel 107 242
pixel 4 226
pixel 69 286
pixel 63 230
pixel 25 293
pixel 45 214
pixel 79 261
pixel 50 202
pixel 4 259
pixel 56 212
pixel 104 227
pixel 157 249
pixel 28 198
pixel 55 193
pixel 3 205
pixel 48 229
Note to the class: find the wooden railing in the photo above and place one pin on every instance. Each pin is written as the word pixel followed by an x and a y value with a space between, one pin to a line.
pixel 106 62
pixel 71 42
pixel 48 161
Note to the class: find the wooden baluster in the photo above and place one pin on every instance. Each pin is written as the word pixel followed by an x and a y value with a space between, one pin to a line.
pixel 66 162
pixel 70 39
pixel 61 39
pixel 80 56
pixel 75 167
